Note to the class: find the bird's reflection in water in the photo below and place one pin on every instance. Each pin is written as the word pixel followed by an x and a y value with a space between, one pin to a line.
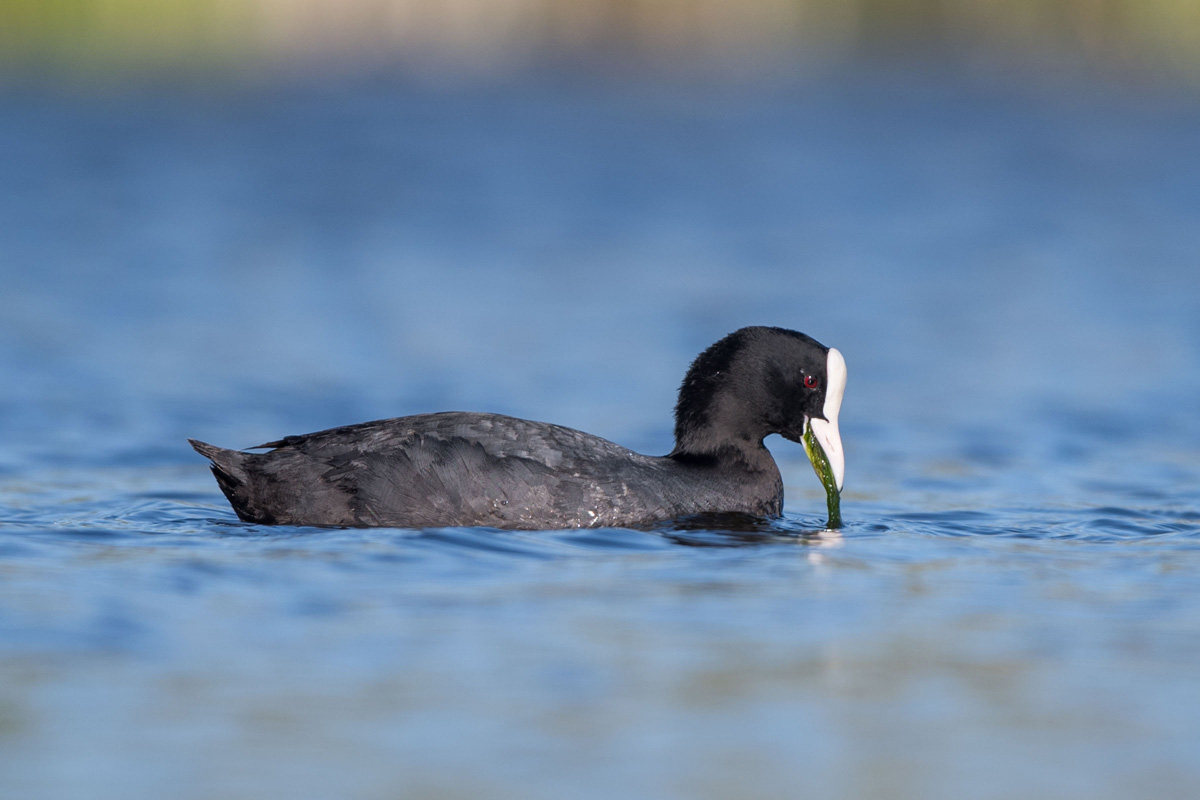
pixel 741 530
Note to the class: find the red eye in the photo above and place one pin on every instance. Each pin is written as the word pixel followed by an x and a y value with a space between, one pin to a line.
pixel 810 381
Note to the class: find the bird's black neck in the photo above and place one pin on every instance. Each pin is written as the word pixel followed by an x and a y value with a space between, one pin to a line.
pixel 742 455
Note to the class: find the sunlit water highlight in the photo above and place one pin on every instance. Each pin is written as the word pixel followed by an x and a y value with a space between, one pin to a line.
pixel 1013 605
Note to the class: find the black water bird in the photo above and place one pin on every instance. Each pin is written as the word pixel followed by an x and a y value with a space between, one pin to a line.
pixel 468 469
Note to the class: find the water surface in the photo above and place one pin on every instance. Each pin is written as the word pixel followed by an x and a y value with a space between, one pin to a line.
pixel 1013 607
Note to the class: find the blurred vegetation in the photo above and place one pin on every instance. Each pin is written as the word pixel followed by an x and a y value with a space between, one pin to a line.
pixel 85 35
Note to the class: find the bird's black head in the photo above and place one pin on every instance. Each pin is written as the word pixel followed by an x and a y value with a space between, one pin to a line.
pixel 755 382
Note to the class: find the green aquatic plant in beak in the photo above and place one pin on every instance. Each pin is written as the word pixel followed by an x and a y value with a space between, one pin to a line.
pixel 820 462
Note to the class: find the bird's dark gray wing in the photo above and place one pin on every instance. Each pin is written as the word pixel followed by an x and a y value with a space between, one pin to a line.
pixel 452 468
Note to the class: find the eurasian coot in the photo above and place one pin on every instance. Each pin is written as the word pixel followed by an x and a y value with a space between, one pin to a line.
pixel 464 469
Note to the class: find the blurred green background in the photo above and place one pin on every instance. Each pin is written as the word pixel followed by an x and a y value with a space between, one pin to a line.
pixel 84 37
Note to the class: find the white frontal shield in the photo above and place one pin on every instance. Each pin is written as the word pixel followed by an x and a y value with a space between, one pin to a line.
pixel 826 430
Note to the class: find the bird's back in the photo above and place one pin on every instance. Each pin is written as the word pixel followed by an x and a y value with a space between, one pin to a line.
pixel 451 469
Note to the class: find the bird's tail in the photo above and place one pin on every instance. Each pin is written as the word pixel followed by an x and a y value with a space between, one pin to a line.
pixel 229 470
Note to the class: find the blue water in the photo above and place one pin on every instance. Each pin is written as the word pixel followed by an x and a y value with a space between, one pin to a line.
pixel 1011 270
